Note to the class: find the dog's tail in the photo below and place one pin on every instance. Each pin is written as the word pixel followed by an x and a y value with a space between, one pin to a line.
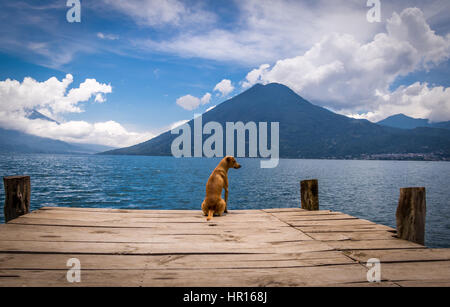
pixel 210 215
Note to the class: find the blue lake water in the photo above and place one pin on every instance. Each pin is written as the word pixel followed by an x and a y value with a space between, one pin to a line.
pixel 365 189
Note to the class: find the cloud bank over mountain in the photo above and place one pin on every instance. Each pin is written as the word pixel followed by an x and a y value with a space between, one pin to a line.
pixel 53 98
pixel 350 76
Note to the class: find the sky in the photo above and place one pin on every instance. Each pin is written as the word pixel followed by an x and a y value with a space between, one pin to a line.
pixel 132 69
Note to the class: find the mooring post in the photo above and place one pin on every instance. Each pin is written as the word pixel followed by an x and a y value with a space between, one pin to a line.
pixel 411 213
pixel 17 196
pixel 309 190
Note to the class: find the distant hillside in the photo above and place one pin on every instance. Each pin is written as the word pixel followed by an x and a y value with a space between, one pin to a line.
pixel 405 122
pixel 309 131
pixel 19 142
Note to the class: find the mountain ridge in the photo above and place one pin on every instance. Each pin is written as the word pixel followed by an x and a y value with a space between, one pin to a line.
pixel 307 130
pixel 403 121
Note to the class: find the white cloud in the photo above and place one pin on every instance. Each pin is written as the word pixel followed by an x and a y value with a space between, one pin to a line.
pixel 50 95
pixel 206 98
pixel 264 31
pixel 52 98
pixel 111 37
pixel 225 87
pixel 255 75
pixel 418 100
pixel 188 102
pixel 162 12
pixel 99 98
pixel 349 76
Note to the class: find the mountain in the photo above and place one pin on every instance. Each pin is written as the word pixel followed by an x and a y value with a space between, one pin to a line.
pixel 405 122
pixel 19 142
pixel 309 131
pixel 12 141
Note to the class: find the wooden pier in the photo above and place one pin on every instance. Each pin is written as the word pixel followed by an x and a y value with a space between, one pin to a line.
pixel 275 247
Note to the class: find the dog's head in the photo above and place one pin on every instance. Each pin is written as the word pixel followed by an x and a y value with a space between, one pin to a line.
pixel 231 162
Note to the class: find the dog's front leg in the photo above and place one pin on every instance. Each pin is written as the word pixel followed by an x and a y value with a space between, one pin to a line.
pixel 226 200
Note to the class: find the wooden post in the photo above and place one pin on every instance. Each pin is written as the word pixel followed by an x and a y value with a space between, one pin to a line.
pixel 309 190
pixel 411 213
pixel 17 196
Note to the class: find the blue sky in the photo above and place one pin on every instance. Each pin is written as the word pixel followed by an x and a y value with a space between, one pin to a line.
pixel 143 57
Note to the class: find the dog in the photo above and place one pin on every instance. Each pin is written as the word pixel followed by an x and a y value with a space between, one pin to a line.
pixel 213 203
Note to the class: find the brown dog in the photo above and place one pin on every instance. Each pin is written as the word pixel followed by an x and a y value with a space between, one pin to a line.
pixel 213 203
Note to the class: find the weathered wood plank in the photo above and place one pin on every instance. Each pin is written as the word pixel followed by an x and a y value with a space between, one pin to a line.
pixel 132 262
pixel 303 276
pixel 320 217
pixel 197 217
pixel 92 234
pixel 344 228
pixel 356 235
pixel 416 271
pixel 205 247
pixel 129 223
pixel 373 244
pixel 412 255
pixel 344 222
pixel 276 277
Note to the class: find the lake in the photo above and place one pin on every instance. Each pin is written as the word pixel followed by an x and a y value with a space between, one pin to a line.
pixel 365 189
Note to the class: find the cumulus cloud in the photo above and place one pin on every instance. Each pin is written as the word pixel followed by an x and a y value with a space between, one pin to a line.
pixel 190 103
pixel 50 96
pixel 417 100
pixel 53 99
pixel 264 31
pixel 349 76
pixel 206 98
pixel 225 87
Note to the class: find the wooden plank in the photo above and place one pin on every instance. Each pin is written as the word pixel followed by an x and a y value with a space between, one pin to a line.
pixel 139 235
pixel 132 262
pixel 344 228
pixel 344 222
pixel 57 278
pixel 412 255
pixel 320 217
pixel 373 244
pixel 142 211
pixel 276 277
pixel 128 223
pixel 416 271
pixel 203 246
pixel 357 235
pixel 303 276
pixel 146 218
pixel 298 212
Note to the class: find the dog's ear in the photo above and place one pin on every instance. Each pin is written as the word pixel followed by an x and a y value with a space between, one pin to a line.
pixel 229 159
